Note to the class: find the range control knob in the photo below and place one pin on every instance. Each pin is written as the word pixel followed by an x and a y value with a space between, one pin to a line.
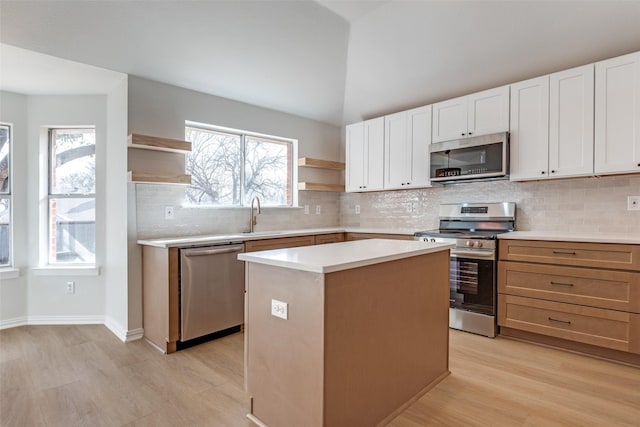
pixel 478 244
pixel 469 243
pixel 433 240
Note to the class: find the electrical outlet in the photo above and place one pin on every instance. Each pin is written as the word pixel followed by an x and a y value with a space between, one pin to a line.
pixel 633 203
pixel 168 212
pixel 279 309
pixel 409 207
pixel 71 287
pixel 357 209
pixel 318 209
pixel 306 209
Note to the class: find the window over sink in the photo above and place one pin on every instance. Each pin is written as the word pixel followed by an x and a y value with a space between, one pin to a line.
pixel 229 167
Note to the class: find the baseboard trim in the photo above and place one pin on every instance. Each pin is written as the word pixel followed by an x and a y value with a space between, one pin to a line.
pixel 65 320
pixel 108 322
pixel 13 323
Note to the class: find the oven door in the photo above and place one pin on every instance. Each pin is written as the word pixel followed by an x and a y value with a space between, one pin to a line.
pixel 472 282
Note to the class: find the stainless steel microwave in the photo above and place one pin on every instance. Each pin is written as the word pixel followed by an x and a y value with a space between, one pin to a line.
pixel 472 158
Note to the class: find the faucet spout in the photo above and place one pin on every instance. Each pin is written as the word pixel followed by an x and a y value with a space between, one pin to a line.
pixel 253 220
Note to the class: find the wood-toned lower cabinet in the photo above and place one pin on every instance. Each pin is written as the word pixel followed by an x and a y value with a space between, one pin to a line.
pixel 587 293
pixel 361 236
pixel 279 243
pixel 321 239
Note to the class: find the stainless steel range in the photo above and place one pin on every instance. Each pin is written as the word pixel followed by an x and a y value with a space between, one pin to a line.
pixel 473 228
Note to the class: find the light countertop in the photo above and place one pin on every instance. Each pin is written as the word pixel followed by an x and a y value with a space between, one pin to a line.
pixel 563 236
pixel 343 256
pixel 168 242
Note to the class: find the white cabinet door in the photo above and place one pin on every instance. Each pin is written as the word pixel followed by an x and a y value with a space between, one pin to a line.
pixel 488 111
pixel 571 122
pixel 355 157
pixel 374 154
pixel 396 151
pixel 617 115
pixel 419 135
pixel 529 130
pixel 450 119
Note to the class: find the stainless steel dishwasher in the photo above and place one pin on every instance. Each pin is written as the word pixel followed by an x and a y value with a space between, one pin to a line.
pixel 211 289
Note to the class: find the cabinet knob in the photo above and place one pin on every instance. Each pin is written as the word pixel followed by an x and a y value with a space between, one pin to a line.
pixel 638 164
pixel 408 183
pixel 402 183
pixel 543 172
pixel 470 133
pixel 462 134
pixel 553 171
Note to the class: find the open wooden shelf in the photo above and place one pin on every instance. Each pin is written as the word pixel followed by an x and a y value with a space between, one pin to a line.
pixel 153 178
pixel 321 164
pixel 146 142
pixel 316 186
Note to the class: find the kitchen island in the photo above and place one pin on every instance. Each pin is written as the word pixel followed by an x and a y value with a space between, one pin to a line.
pixel 344 334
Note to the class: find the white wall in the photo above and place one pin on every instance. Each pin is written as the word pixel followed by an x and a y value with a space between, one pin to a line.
pixel 46 296
pixel 13 292
pixel 115 269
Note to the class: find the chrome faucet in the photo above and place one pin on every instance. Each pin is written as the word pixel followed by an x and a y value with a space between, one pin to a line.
pixel 253 218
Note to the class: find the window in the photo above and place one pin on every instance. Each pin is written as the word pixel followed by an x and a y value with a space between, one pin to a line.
pixel 5 195
pixel 72 187
pixel 229 168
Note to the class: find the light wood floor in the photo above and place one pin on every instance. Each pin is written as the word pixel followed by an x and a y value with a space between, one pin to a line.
pixel 84 376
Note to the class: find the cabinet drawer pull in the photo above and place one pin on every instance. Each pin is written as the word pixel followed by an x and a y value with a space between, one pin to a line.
pixel 563 253
pixel 566 322
pixel 561 284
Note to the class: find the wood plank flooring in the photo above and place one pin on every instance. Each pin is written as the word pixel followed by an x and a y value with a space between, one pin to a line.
pixel 84 376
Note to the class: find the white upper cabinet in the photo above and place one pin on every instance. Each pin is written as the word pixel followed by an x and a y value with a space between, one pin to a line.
pixel 355 155
pixel 406 148
pixel 480 113
pixel 551 133
pixel 529 132
pixel 571 122
pixel 365 155
pixel 617 115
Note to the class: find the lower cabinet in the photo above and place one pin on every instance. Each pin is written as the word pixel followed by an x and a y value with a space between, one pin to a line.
pixel 361 236
pixel 584 293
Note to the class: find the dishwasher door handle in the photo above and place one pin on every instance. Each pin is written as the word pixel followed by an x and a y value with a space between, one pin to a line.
pixel 213 252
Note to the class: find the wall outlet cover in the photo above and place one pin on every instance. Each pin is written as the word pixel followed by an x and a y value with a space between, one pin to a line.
pixel 168 212
pixel 306 209
pixel 279 309
pixel 71 287
pixel 633 203
pixel 318 209
pixel 357 209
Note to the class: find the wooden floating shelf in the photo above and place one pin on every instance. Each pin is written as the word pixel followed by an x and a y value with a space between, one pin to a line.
pixel 315 186
pixel 152 178
pixel 146 142
pixel 321 164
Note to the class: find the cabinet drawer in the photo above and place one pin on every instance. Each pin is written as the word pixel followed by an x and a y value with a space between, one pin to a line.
pixel 618 290
pixel 605 328
pixel 329 238
pixel 598 255
pixel 280 243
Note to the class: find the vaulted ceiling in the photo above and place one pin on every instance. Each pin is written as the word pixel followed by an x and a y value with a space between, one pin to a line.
pixel 329 60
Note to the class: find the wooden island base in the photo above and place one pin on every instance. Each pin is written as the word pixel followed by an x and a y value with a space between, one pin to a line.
pixel 358 347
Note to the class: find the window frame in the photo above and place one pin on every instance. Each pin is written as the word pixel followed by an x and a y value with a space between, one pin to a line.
pixel 243 135
pixel 9 196
pixel 51 196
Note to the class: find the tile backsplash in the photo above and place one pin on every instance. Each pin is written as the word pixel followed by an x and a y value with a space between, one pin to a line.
pixel 151 200
pixel 581 204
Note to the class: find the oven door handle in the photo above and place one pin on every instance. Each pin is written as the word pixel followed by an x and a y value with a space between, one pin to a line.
pixel 472 254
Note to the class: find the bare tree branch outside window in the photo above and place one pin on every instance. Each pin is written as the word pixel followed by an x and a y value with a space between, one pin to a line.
pixel 218 160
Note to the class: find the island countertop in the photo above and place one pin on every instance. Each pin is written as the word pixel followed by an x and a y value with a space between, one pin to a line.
pixel 334 257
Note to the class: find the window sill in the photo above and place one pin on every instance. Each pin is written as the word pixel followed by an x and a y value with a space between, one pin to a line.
pixel 67 270
pixel 9 273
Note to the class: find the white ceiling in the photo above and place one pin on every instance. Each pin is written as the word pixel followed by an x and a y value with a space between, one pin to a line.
pixel 332 61
pixel 31 73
